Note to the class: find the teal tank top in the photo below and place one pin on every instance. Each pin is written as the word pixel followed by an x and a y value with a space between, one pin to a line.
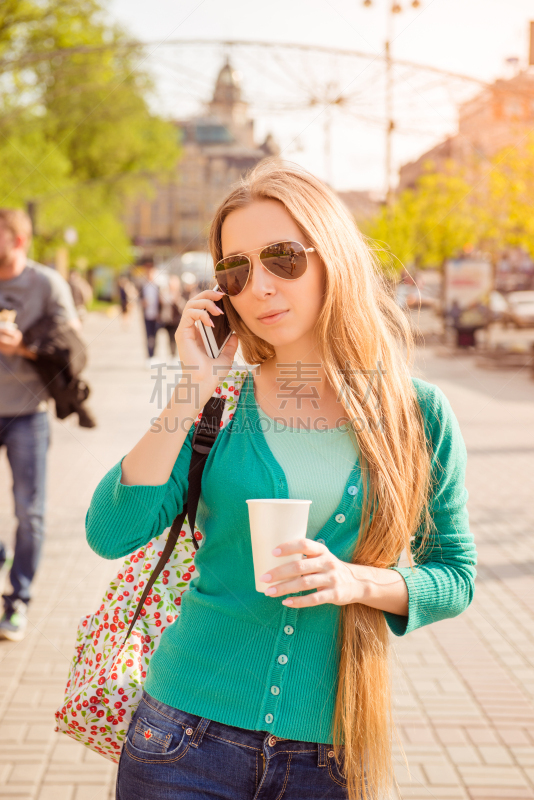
pixel 317 464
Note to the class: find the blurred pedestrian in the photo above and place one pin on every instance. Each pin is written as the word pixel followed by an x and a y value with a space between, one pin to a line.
pixel 172 304
pixel 128 295
pixel 149 296
pixel 82 292
pixel 189 285
pixel 454 314
pixel 30 292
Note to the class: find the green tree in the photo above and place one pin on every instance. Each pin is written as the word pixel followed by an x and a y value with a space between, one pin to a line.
pixel 506 213
pixel 74 108
pixel 428 224
pixel 481 204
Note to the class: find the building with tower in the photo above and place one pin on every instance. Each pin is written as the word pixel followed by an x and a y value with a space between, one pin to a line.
pixel 217 148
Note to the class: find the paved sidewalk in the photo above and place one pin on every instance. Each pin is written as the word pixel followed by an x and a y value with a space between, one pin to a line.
pixel 464 688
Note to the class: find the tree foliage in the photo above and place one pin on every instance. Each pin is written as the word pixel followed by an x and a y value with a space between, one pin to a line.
pixel 76 132
pixel 483 205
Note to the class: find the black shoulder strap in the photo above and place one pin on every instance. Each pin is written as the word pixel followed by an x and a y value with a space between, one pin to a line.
pixel 204 437
pixel 203 440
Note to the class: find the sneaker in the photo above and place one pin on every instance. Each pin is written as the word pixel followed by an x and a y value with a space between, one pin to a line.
pixel 14 621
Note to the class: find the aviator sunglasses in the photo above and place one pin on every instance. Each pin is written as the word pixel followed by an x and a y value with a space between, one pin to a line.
pixel 287 260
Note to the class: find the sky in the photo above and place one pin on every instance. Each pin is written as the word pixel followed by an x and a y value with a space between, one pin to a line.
pixel 470 37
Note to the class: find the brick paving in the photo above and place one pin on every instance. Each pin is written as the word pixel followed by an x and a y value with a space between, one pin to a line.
pixel 464 688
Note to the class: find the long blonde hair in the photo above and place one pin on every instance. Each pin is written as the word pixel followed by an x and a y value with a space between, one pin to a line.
pixel 361 334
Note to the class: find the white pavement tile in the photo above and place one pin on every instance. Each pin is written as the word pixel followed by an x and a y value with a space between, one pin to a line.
pixel 58 792
pixel 463 754
pixel 492 776
pixel 496 755
pixel 441 774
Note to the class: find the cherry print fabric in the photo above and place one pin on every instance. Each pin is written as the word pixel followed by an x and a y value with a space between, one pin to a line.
pixel 107 674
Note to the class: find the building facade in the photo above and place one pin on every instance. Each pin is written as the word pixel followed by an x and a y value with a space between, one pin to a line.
pixel 502 115
pixel 361 205
pixel 217 149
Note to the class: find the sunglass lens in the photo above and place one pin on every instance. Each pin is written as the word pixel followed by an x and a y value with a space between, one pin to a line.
pixel 232 274
pixel 285 260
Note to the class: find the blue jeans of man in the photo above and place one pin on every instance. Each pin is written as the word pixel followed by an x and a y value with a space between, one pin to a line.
pixel 173 755
pixel 26 440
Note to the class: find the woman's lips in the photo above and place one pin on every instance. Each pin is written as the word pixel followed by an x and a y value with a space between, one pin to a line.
pixel 271 319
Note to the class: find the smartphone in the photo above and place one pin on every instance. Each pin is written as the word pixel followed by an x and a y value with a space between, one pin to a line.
pixel 215 338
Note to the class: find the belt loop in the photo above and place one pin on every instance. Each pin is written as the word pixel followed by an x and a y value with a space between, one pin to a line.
pixel 199 732
pixel 321 755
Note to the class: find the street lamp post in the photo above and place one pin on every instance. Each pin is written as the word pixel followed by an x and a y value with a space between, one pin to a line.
pixel 394 8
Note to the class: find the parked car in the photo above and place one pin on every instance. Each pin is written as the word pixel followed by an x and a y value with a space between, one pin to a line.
pixel 411 296
pixel 521 309
pixel 200 264
pixel 498 307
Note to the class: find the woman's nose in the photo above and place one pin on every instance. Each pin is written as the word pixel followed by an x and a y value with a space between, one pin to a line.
pixel 261 281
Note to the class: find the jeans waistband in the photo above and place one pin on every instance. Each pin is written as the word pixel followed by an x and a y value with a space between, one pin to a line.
pixel 229 733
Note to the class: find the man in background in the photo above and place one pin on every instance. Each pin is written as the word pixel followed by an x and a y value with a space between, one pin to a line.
pixel 170 311
pixel 82 293
pixel 149 296
pixel 30 291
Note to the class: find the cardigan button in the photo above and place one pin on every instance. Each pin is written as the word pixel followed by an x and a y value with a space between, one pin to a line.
pixel 340 518
pixel 321 541
pixel 269 718
pixel 282 659
pixel 275 690
pixel 352 490
pixel 289 629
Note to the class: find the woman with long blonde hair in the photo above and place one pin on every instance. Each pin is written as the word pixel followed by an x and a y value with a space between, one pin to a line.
pixel 287 693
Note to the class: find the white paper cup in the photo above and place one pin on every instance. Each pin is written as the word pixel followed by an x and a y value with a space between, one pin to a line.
pixel 273 522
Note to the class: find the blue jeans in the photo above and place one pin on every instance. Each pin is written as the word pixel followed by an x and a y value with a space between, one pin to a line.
pixel 26 440
pixel 172 755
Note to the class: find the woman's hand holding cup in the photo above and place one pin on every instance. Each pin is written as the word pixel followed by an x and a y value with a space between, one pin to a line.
pixel 336 581
pixel 10 335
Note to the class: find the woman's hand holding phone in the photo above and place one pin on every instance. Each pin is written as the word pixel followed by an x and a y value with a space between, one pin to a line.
pixel 151 461
pixel 206 372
